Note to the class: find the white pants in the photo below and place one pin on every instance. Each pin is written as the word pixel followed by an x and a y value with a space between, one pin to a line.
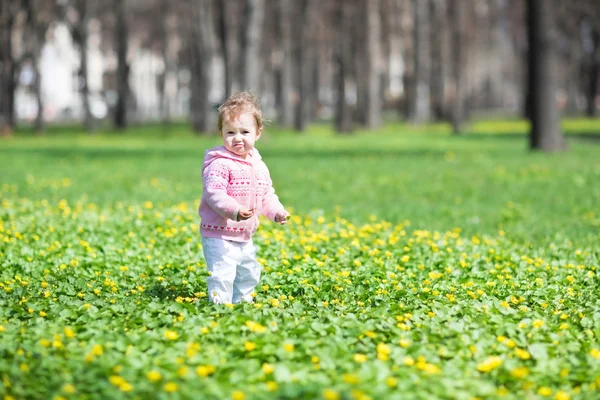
pixel 234 271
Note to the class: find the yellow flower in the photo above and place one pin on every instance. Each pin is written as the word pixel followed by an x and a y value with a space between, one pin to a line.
pixel 238 395
pixel 350 378
pixel 404 343
pixel 69 332
pixel 268 368
pixel 68 388
pixel 182 371
pixel 289 347
pixel 205 370
pixel 538 323
pixel 116 380
pixel 249 346
pixel 271 386
pixel 360 358
pixel 154 376
pixel 408 361
pixel 126 387
pixel 489 364
pixel 97 350
pixel 171 387
pixel 330 394
pixel 391 381
pixel 171 335
pixel 520 372
pixel 595 353
pixel 561 395
pixel 522 354
pixel 544 391
pixel 2 328
pixel 430 368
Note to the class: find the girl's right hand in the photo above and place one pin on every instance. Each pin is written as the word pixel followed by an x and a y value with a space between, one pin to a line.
pixel 244 214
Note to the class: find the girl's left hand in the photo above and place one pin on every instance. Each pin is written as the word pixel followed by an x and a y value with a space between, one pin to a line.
pixel 282 217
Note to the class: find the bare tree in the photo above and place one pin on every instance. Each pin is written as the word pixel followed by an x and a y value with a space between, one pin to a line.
pixel 76 15
pixel 251 39
pixel 8 84
pixel 40 14
pixel 373 61
pixel 545 131
pixel 167 56
pixel 438 57
pixel 457 18
pixel 122 43
pixel 593 68
pixel 202 47
pixel 224 14
pixel 419 103
pixel 302 56
pixel 344 22
pixel 285 86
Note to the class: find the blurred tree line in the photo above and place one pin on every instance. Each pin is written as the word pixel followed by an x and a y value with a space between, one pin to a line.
pixel 348 61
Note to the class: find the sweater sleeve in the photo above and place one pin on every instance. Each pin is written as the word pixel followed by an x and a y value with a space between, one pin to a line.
pixel 216 179
pixel 270 203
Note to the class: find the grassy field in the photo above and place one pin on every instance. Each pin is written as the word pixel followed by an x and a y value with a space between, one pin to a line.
pixel 417 265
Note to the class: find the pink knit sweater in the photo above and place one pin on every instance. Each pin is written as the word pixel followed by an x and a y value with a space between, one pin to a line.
pixel 231 182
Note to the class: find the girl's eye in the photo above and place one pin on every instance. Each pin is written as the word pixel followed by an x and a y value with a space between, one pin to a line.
pixel 230 133
pixel 245 132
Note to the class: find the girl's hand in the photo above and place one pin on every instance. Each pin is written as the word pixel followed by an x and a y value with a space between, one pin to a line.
pixel 244 214
pixel 282 217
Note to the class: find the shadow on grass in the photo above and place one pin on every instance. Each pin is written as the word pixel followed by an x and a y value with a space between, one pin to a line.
pixel 163 293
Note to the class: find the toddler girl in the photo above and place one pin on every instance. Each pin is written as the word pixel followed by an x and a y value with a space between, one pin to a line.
pixel 237 190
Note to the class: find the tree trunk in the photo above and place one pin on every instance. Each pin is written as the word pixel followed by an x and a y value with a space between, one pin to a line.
pixel 373 64
pixel 545 131
pixel 251 40
pixel 39 119
pixel 302 61
pixel 407 33
pixel 121 39
pixel 359 50
pixel 387 32
pixel 420 109
pixel 594 74
pixel 286 108
pixel 162 78
pixel 343 56
pixel 225 36
pixel 84 18
pixel 457 19
pixel 437 59
pixel 7 74
pixel 203 53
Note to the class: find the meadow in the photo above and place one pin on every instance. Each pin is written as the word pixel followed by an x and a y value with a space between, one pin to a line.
pixel 416 265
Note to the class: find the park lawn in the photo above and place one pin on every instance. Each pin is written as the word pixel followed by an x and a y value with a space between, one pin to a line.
pixel 416 265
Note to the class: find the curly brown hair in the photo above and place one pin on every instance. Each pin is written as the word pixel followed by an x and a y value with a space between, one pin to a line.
pixel 239 103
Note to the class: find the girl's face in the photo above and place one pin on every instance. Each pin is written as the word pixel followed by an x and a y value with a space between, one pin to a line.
pixel 240 134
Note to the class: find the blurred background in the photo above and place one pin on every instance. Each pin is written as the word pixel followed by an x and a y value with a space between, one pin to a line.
pixel 349 63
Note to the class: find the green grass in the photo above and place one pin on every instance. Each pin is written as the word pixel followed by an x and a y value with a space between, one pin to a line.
pixel 417 265
pixel 480 183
